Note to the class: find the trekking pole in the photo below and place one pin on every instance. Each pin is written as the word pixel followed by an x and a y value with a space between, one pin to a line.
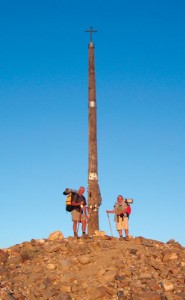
pixel 78 224
pixel 110 224
pixel 77 227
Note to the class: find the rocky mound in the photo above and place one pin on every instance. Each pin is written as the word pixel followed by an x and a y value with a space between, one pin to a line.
pixel 60 268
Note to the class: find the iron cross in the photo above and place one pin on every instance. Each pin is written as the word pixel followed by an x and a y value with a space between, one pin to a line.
pixel 91 32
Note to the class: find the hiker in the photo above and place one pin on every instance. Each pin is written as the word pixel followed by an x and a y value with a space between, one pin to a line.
pixel 79 212
pixel 122 211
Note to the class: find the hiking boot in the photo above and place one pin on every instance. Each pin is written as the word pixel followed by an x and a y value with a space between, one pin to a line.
pixel 121 238
pixel 127 238
pixel 75 235
pixel 84 235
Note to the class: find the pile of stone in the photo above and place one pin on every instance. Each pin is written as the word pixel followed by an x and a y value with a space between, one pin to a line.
pixel 98 267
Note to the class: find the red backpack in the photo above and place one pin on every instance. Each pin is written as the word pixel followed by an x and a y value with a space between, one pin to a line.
pixel 128 210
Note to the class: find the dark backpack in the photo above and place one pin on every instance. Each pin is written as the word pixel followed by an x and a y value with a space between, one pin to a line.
pixel 70 193
pixel 69 200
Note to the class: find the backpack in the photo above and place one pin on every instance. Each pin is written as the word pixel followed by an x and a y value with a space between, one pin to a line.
pixel 126 214
pixel 70 193
pixel 128 210
pixel 69 199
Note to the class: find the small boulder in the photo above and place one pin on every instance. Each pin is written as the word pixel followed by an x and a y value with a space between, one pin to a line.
pixel 56 235
pixel 99 233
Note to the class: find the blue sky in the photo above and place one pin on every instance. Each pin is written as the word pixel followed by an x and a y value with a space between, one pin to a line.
pixel 140 80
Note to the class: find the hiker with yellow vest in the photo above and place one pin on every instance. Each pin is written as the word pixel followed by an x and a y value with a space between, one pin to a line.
pixel 121 210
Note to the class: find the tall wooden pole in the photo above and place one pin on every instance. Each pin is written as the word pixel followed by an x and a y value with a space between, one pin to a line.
pixel 94 196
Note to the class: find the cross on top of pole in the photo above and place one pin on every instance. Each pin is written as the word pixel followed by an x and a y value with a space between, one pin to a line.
pixel 91 32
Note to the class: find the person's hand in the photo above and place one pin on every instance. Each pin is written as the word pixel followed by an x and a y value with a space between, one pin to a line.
pixel 107 211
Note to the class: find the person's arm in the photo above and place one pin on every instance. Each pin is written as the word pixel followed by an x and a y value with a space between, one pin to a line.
pixel 83 205
pixel 122 212
pixel 85 210
pixel 75 204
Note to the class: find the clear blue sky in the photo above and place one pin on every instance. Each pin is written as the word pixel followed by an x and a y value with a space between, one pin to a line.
pixel 140 77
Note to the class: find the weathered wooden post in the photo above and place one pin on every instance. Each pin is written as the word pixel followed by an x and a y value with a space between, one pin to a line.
pixel 94 196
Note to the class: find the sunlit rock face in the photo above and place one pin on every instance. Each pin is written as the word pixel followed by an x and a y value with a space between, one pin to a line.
pixel 97 267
